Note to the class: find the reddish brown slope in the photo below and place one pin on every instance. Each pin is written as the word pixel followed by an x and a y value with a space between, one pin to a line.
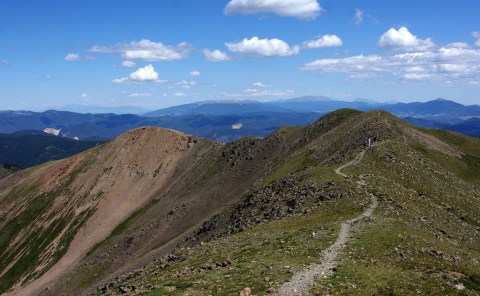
pixel 82 199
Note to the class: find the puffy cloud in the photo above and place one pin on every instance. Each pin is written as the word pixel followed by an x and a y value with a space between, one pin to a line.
pixel 76 57
pixel 128 64
pixel 477 35
pixel 144 74
pixel 324 41
pixel 445 65
pixel 194 73
pixel 259 84
pixel 186 84
pixel 216 55
pixel 5 62
pixel 346 65
pixel 147 50
pixel 85 95
pixel 358 17
pixel 303 9
pixel 402 39
pixel 263 47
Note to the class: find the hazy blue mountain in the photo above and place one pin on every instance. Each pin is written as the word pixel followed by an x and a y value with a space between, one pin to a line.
pixel 318 104
pixel 108 126
pixel 102 109
pixel 435 108
pixel 12 121
pixel 470 127
pixel 214 119
pixel 218 108
pixel 321 104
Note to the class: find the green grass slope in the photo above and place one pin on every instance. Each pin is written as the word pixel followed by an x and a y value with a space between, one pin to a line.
pixel 422 239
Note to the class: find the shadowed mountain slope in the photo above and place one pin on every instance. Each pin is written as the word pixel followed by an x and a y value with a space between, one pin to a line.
pixel 154 209
pixel 7 169
pixel 29 148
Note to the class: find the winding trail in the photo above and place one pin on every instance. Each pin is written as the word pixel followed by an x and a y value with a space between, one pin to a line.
pixel 302 281
pixel 355 161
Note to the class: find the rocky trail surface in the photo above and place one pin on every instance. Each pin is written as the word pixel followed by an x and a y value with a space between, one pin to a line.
pixel 302 281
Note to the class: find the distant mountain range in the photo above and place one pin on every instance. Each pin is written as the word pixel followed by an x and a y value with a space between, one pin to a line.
pixel 301 105
pixel 219 108
pixel 230 120
pixel 431 109
pixel 103 109
pixel 108 126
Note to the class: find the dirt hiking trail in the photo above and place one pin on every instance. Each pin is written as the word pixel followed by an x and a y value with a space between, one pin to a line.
pixel 302 281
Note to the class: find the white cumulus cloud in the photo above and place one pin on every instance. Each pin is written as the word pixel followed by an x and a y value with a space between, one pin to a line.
pixel 194 73
pixel 263 47
pixel 144 74
pixel 76 57
pixel 445 65
pixel 303 9
pixel 324 41
pixel 147 50
pixel 215 55
pixel 259 84
pixel 402 39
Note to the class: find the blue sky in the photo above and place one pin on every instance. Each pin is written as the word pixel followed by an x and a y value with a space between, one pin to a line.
pixel 160 53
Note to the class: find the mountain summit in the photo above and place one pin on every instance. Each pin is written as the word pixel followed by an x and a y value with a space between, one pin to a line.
pixel 162 212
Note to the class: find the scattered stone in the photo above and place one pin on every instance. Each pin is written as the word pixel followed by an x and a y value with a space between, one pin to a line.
pixel 245 292
pixel 124 289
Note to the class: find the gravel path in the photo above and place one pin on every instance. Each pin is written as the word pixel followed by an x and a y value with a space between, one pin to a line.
pixel 302 281
pixel 355 161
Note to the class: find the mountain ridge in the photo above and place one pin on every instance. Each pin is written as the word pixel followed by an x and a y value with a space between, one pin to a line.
pixel 213 192
pixel 216 119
